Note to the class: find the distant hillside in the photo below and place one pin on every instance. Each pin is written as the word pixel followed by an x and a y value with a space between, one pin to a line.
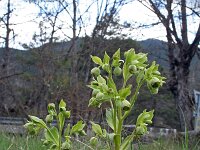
pixel 46 78
pixel 157 50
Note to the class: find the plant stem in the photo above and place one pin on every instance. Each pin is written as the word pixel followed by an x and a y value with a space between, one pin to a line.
pixel 119 130
pixel 133 99
pixel 115 117
pixel 60 133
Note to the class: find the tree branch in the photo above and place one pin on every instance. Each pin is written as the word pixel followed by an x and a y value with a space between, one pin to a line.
pixel 184 23
pixel 193 47
pixel 11 75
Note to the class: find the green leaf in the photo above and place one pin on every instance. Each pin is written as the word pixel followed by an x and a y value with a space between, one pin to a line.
pixel 106 59
pixel 51 134
pixel 96 128
pixel 61 119
pixel 140 76
pixel 125 92
pixel 116 58
pixel 53 147
pixel 77 127
pixel 55 133
pixel 67 130
pixel 126 143
pixel 130 56
pixel 93 141
pixel 109 118
pixel 111 84
pixel 111 136
pixel 97 60
pixel 126 73
pixel 93 102
pixel 37 121
pixel 104 133
pixel 116 55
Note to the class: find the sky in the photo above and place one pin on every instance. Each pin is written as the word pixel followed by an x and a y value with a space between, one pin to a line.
pixel 25 15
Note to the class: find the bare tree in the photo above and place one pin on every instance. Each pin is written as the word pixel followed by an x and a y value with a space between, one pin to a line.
pixel 174 14
pixel 5 21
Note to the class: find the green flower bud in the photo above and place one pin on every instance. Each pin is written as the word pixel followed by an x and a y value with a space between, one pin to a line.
pixel 134 62
pixel 82 133
pixel 95 71
pixel 93 141
pixel 95 83
pixel 110 91
pixel 126 105
pixel 155 82
pixel 99 95
pixel 140 130
pixel 31 130
pixel 66 145
pixel 51 106
pixel 94 92
pixel 62 109
pixel 148 121
pixel 93 102
pixel 67 114
pixel 140 67
pixel 29 125
pixel 105 67
pixel 126 53
pixel 49 118
pixel 156 73
pixel 132 69
pixel 117 71
pixel 104 87
pixel 146 116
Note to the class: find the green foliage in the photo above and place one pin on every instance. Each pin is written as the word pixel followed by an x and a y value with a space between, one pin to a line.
pixel 53 135
pixel 120 98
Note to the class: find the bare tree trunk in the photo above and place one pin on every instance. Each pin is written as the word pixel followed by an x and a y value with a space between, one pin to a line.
pixel 74 64
pixel 183 99
pixel 7 41
pixel 180 54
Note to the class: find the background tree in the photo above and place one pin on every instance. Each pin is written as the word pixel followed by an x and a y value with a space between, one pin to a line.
pixel 174 15
pixel 8 72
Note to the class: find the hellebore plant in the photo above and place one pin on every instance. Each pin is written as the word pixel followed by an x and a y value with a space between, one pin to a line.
pixel 54 138
pixel 120 99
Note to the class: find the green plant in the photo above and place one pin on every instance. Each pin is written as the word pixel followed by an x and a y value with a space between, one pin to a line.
pixel 54 137
pixel 120 98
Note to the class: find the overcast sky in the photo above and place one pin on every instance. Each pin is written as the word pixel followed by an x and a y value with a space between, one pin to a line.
pixel 25 17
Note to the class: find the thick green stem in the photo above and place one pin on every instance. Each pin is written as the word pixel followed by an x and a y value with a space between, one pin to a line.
pixel 119 130
pixel 115 117
pixel 60 133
